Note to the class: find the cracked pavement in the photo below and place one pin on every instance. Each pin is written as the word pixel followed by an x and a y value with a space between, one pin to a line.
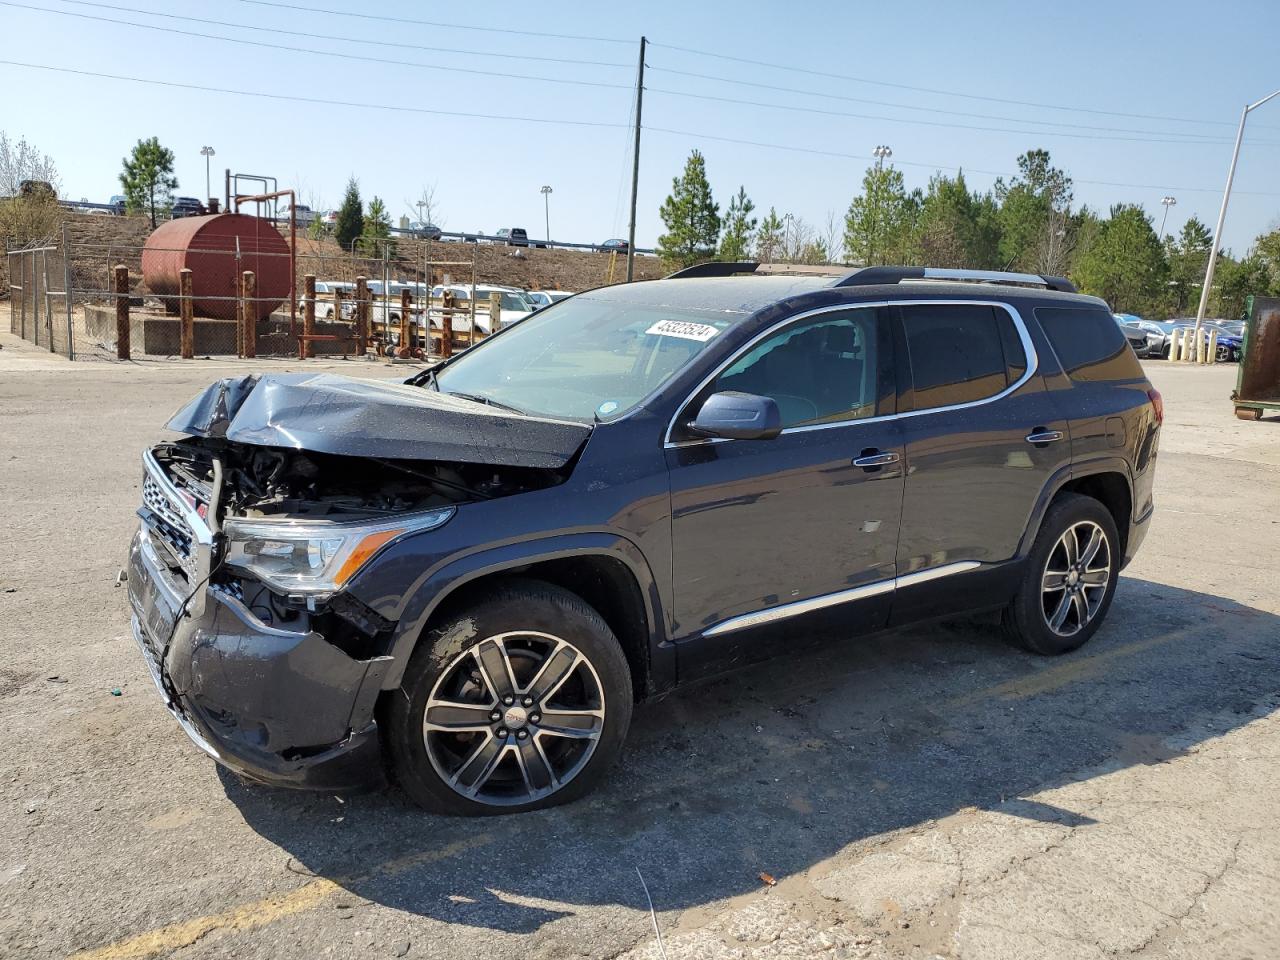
pixel 920 794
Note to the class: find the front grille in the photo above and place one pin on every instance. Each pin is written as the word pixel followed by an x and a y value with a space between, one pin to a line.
pixel 179 536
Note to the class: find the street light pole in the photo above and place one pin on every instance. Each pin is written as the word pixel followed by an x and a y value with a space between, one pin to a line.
pixel 546 209
pixel 207 152
pixel 1222 214
pixel 1168 202
pixel 880 153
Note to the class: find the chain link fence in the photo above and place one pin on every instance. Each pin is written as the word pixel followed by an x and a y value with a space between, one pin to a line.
pixel 87 299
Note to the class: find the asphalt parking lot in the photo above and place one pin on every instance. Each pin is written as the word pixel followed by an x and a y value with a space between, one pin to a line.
pixel 928 793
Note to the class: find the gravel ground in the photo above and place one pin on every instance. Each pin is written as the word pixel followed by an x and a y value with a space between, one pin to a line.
pixel 926 793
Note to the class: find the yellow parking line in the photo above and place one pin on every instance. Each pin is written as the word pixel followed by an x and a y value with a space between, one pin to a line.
pixel 1064 673
pixel 259 913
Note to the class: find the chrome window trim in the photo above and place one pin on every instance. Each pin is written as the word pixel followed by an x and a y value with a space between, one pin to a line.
pixel 1024 337
pixel 788 610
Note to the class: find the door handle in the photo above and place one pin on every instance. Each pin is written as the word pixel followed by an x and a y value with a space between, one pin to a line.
pixel 872 461
pixel 1040 437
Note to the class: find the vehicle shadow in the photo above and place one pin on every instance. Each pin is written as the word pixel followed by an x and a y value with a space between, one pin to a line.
pixel 780 766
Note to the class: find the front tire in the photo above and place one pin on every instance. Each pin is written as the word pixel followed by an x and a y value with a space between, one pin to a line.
pixel 518 702
pixel 1070 578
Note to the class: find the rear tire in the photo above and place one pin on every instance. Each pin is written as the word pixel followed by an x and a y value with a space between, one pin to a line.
pixel 524 739
pixel 1070 578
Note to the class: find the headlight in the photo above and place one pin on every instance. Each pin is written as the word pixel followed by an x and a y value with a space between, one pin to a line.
pixel 313 556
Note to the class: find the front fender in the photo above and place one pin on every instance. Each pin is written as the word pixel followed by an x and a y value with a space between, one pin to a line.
pixel 439 582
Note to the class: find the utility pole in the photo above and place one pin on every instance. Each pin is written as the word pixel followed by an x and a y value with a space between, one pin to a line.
pixel 635 166
pixel 1222 214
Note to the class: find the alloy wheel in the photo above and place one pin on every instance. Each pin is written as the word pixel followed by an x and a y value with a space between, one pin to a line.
pixel 514 718
pixel 1075 578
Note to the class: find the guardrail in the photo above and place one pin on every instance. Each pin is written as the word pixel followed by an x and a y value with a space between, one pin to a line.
pixel 463 237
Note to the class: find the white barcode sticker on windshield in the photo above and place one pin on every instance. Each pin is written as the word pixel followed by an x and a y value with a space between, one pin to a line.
pixel 702 332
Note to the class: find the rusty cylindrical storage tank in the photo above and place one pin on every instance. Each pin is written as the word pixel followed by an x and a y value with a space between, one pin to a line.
pixel 207 245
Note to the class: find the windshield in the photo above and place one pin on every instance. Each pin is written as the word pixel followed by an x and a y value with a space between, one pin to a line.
pixel 585 358
pixel 517 301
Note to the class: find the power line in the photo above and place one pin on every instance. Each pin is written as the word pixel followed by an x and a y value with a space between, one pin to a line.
pixel 337 37
pixel 1168 138
pixel 908 106
pixel 936 166
pixel 313 100
pixel 904 86
pixel 434 23
pixel 321 53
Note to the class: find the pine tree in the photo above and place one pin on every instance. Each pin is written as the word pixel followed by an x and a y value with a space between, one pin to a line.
pixel 739 225
pixel 879 227
pixel 691 216
pixel 1125 265
pixel 148 179
pixel 377 228
pixel 769 237
pixel 350 223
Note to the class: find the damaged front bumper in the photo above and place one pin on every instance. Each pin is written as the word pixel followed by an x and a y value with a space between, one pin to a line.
pixel 279 706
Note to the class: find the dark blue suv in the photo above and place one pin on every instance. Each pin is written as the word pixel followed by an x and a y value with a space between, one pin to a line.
pixel 468 578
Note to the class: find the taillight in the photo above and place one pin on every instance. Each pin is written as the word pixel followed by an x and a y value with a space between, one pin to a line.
pixel 1157 404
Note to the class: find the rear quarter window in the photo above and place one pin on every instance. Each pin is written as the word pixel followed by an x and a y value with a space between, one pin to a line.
pixel 1089 343
pixel 960 353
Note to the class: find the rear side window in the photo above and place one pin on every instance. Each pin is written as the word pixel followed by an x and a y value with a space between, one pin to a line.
pixel 960 353
pixel 1089 343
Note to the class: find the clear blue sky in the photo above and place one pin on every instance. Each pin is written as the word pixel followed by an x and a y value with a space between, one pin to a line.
pixel 1189 61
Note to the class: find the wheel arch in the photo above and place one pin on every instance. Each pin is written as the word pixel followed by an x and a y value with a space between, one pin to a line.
pixel 607 572
pixel 1107 480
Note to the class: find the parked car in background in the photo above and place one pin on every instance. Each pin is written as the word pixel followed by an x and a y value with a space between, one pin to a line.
pixel 325 290
pixel 514 305
pixel 545 298
pixel 513 236
pixel 117 204
pixel 472 576
pixel 304 215
pixel 423 230
pixel 386 309
pixel 614 246
pixel 186 207
pixel 1130 325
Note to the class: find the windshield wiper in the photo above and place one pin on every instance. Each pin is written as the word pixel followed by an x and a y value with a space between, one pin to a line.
pixel 489 401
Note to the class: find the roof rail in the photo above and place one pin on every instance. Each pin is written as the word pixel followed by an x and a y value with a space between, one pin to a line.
pixel 713 268
pixel 867 276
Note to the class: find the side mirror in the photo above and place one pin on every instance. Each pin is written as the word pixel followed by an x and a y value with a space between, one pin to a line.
pixel 738 416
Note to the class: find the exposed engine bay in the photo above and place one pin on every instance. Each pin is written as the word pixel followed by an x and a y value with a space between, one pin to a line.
pixel 270 482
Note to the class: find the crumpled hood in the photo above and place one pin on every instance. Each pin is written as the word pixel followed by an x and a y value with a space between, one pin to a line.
pixel 363 418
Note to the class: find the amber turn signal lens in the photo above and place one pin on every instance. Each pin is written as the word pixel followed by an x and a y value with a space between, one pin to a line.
pixel 363 551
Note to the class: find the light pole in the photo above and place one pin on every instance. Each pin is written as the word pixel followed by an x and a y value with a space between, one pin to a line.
pixel 420 205
pixel 1168 202
pixel 546 209
pixel 1222 214
pixel 206 152
pixel 881 153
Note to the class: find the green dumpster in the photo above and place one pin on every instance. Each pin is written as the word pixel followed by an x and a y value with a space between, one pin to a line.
pixel 1258 377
